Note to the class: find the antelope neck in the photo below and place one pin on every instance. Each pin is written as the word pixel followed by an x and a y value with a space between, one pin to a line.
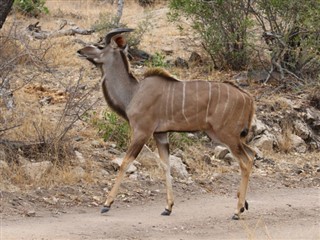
pixel 118 84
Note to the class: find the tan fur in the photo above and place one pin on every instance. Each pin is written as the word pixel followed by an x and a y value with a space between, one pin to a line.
pixel 159 72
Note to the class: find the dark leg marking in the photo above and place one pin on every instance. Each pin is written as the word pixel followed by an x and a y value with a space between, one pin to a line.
pixel 246 205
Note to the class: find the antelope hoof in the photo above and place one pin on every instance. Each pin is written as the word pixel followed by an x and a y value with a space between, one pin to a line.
pixel 236 217
pixel 246 205
pixel 105 209
pixel 166 212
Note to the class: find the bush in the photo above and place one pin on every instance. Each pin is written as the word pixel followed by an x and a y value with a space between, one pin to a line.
pixel 31 7
pixel 113 128
pixel 222 26
pixel 157 60
pixel 291 31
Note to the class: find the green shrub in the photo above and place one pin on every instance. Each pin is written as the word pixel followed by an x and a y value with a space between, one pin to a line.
pixel 291 31
pixel 31 7
pixel 222 27
pixel 113 128
pixel 157 60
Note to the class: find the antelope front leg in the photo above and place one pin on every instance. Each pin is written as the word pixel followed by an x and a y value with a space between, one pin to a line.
pixel 163 147
pixel 132 153
pixel 245 174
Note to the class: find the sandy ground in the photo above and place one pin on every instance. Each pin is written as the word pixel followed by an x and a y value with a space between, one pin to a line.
pixel 281 213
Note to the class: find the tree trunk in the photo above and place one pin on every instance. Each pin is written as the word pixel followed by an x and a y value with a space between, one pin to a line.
pixel 5 7
pixel 119 11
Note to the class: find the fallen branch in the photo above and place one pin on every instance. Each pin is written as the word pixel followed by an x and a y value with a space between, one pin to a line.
pixel 36 32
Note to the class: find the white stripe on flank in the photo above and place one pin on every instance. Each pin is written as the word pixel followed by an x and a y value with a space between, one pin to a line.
pixel 183 100
pixel 209 101
pixel 226 103
pixel 231 116
pixel 217 104
pixel 163 99
pixel 243 106
pixel 172 100
pixel 167 100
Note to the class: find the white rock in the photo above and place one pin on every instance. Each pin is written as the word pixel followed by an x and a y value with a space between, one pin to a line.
pixel 4 165
pixel 264 141
pixel 131 168
pixel 258 127
pixel 298 143
pixel 301 129
pixel 78 172
pixel 36 170
pixel 178 168
pixel 148 159
pixel 220 152
pixel 80 157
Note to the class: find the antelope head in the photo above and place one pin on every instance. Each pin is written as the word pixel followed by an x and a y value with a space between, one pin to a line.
pixel 98 54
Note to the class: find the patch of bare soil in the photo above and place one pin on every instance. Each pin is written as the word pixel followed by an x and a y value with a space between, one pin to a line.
pixel 275 213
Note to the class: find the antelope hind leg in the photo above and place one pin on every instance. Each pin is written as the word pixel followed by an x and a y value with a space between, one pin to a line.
pixel 245 162
pixel 163 147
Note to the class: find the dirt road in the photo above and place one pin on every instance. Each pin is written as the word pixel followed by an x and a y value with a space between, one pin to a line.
pixel 273 214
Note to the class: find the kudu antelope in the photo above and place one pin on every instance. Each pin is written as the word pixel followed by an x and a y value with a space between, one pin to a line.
pixel 160 104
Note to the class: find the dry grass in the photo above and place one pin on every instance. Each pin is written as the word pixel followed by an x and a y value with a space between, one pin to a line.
pixel 285 141
pixel 260 229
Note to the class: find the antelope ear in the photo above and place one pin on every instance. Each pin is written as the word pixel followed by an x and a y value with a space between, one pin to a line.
pixel 118 41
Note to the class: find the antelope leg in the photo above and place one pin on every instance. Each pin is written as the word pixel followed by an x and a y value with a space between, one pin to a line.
pixel 133 151
pixel 245 162
pixel 163 147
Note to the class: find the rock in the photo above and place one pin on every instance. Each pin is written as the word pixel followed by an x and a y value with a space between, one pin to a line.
pixel 96 144
pixel 3 165
pixel 80 157
pixel 313 118
pixel 130 170
pixel 2 154
pixel 257 75
pixel 167 51
pixel 46 100
pixel 178 168
pixel 207 159
pixel 148 159
pixel 31 213
pixel 7 186
pixel 195 58
pixel 181 63
pixel 259 154
pixel 301 129
pixel 151 161
pixel 298 143
pixel 51 200
pixel 36 170
pixel 264 141
pixel 78 172
pixel 229 158
pixel 242 79
pixel 220 152
pixel 258 127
